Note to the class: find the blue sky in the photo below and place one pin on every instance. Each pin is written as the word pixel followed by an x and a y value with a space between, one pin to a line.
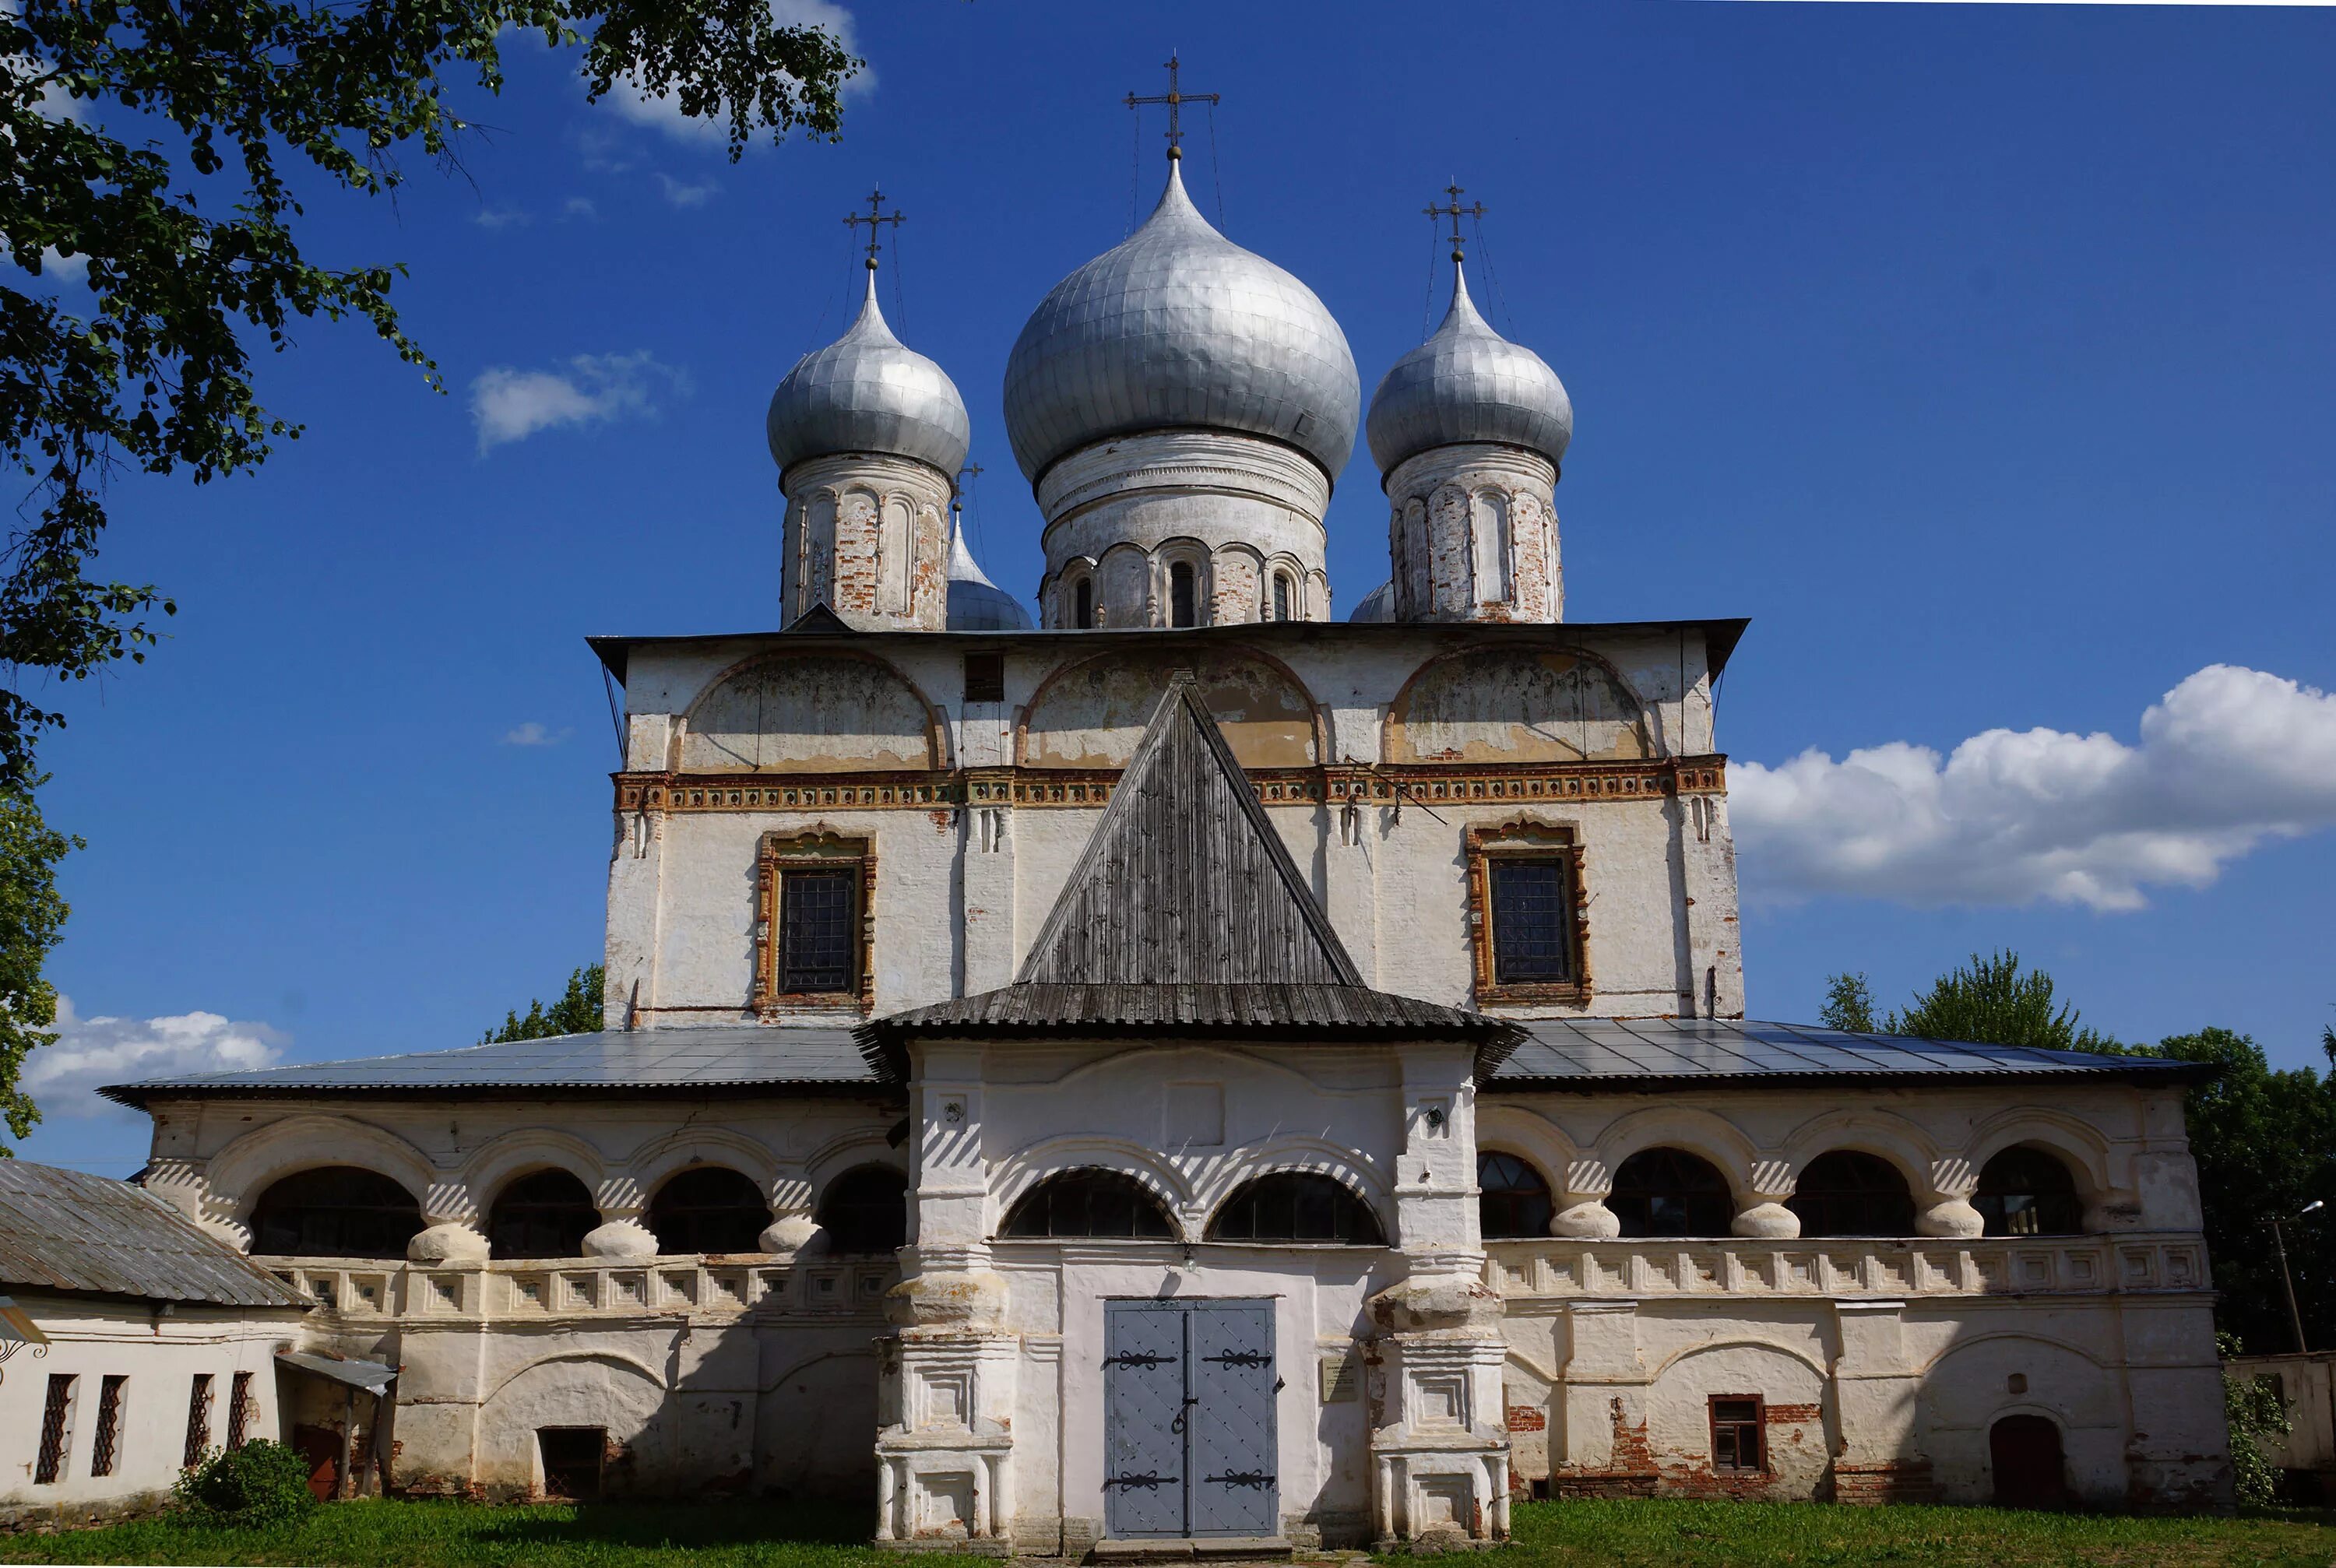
pixel 1981 356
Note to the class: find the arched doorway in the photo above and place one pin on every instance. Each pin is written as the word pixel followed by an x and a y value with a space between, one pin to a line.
pixel 2030 1471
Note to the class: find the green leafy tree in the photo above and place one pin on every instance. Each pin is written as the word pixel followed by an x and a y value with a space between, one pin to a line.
pixel 154 146
pixel 32 920
pixel 1849 1004
pixel 576 1012
pixel 2266 1143
pixel 1995 1002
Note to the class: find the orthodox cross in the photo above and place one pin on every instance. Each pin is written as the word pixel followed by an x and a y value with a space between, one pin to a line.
pixel 1175 101
pixel 876 215
pixel 1456 212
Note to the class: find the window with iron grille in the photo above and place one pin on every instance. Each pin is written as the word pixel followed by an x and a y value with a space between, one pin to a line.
pixel 1735 1427
pixel 56 1428
pixel 106 1451
pixel 817 944
pixel 1280 597
pixel 1532 914
pixel 198 1421
pixel 240 1412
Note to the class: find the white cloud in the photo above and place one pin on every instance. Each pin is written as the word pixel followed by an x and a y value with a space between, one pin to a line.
pixel 62 1079
pixel 509 405
pixel 500 217
pixel 2229 758
pixel 533 734
pixel 629 100
pixel 578 207
pixel 682 195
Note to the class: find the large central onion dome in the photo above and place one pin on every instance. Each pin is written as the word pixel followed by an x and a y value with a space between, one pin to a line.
pixel 868 392
pixel 1468 383
pixel 1179 328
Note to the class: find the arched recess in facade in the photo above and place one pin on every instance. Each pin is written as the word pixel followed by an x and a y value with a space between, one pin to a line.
pixel 265 1155
pixel 827 710
pixel 1496 704
pixel 1091 714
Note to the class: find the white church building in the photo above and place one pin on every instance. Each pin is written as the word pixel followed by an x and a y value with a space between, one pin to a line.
pixel 1199 1069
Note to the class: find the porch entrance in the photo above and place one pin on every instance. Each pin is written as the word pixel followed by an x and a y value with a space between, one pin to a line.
pixel 1189 1443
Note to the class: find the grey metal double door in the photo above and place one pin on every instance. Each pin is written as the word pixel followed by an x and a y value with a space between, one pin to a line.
pixel 1189 1444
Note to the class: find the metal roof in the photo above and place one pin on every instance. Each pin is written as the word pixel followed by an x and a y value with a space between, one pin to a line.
pixel 1606 1052
pixel 68 1231
pixel 682 1060
pixel 373 1377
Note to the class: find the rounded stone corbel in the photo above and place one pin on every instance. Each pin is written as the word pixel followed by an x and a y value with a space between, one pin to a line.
pixel 1766 1221
pixel 1431 1301
pixel 1588 1219
pixel 447 1242
pixel 1950 1216
pixel 790 1232
pixel 621 1236
pixel 948 1299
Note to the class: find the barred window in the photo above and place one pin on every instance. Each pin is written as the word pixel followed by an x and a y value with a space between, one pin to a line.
pixel 105 1454
pixel 239 1411
pixel 1512 1198
pixel 198 1421
pixel 1280 597
pixel 56 1428
pixel 1296 1206
pixel 1089 1204
pixel 1532 902
pixel 818 949
pixel 1183 610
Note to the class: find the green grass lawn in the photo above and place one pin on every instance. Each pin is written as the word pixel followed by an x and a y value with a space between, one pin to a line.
pixel 1619 1534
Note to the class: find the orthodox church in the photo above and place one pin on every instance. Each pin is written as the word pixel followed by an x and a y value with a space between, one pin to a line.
pixel 1196 1075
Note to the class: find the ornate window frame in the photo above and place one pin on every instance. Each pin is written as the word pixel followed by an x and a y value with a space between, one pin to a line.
pixel 1526 839
pixel 823 849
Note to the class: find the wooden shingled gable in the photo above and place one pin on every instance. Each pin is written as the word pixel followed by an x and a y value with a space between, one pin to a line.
pixel 1184 881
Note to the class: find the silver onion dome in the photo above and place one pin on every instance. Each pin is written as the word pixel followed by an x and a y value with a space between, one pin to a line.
pixel 976 603
pixel 1467 383
pixel 1179 328
pixel 1377 605
pixel 868 392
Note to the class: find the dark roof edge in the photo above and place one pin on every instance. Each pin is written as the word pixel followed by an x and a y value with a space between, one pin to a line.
pixel 2140 1072
pixel 138 1095
pixel 1721 635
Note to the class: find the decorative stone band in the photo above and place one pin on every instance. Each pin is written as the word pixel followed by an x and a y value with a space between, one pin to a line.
pixel 527 1291
pixel 678 793
pixel 1564 1270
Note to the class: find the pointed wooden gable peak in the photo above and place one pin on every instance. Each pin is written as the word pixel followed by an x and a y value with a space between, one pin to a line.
pixel 1185 882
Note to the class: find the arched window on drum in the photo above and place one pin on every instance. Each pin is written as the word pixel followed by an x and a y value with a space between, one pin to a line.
pixel 2026 1192
pixel 1090 1204
pixel 1512 1199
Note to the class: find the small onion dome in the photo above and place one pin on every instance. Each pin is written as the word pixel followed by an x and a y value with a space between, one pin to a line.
pixel 1379 605
pixel 1179 328
pixel 1468 383
pixel 868 392
pixel 976 603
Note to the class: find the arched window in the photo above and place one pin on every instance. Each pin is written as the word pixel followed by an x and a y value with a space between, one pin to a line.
pixel 1082 616
pixel 1489 517
pixel 866 1211
pixel 335 1212
pixel 1512 1200
pixel 1849 1193
pixel 1090 1204
pixel 1296 1206
pixel 1670 1192
pixel 1183 610
pixel 709 1209
pixel 1281 596
pixel 2025 1192
pixel 544 1215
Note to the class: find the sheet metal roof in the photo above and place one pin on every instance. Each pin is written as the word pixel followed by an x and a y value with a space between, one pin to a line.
pixel 68 1230
pixel 1586 1053
pixel 667 1060
pixel 373 1377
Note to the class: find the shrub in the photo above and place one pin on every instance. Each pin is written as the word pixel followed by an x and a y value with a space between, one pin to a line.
pixel 2254 1408
pixel 258 1485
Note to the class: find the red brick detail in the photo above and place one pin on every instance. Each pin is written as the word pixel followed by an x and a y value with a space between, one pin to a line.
pixel 1890 1481
pixel 1528 1419
pixel 1787 1415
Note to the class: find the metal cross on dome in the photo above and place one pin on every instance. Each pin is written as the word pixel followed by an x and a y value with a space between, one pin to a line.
pixel 1175 100
pixel 876 215
pixel 1456 212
